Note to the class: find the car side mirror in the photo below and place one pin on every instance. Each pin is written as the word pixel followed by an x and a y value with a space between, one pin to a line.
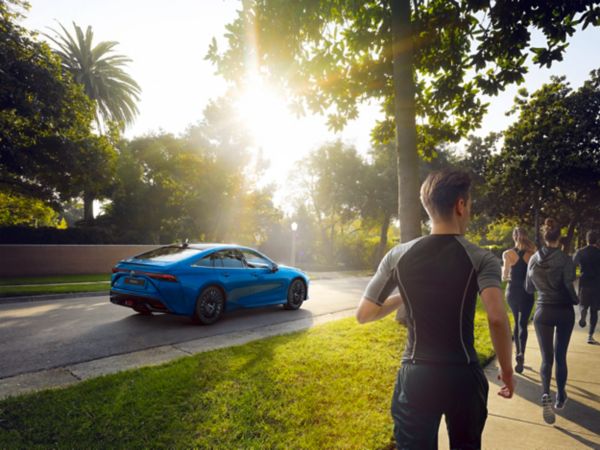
pixel 274 268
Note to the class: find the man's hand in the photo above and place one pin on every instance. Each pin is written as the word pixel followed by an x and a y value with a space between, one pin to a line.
pixel 509 381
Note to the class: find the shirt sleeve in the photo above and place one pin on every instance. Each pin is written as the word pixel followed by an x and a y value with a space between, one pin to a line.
pixel 383 282
pixel 489 273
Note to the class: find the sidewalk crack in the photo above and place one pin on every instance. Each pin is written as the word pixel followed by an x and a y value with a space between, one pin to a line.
pixel 78 378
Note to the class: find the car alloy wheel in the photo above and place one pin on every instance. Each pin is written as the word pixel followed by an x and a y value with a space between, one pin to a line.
pixel 296 295
pixel 210 305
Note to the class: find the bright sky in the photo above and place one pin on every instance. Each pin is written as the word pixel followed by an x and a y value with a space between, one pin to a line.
pixel 168 41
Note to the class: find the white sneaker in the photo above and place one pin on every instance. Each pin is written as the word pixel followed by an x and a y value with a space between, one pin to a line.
pixel 547 411
pixel 560 404
pixel 592 341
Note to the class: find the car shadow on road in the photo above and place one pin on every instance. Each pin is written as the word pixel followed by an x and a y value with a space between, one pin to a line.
pixel 125 333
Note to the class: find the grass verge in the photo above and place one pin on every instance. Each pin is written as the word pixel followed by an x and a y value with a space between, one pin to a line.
pixel 55 279
pixel 23 286
pixel 20 291
pixel 327 387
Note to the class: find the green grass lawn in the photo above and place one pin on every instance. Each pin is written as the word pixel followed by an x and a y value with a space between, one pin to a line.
pixel 55 279
pixel 19 291
pixel 22 286
pixel 325 388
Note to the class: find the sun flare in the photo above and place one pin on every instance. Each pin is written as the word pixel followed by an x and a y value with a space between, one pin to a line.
pixel 266 116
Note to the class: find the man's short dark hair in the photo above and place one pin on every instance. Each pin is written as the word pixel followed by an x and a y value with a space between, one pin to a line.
pixel 591 237
pixel 441 190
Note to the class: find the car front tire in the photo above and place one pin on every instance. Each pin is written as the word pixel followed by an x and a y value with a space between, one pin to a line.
pixel 209 306
pixel 296 295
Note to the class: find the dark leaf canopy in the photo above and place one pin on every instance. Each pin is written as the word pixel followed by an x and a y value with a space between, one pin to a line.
pixel 332 55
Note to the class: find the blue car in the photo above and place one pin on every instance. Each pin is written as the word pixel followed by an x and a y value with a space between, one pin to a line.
pixel 203 281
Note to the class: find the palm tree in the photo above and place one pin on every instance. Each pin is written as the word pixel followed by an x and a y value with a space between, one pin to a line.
pixel 101 73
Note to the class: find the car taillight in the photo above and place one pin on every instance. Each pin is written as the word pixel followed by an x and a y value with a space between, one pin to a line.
pixel 160 276
pixel 155 276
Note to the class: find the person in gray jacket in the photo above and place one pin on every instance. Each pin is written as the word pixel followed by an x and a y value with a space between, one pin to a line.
pixel 551 272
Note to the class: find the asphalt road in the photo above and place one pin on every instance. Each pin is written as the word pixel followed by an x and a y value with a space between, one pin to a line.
pixel 48 334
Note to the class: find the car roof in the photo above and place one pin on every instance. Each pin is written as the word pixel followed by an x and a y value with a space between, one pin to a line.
pixel 210 246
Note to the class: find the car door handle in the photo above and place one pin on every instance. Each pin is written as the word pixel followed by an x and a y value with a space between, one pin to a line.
pixel 226 275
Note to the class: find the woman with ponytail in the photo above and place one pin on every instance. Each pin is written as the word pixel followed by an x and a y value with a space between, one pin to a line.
pixel 520 301
pixel 551 272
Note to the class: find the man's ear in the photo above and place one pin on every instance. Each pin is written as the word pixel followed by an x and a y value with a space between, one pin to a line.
pixel 460 206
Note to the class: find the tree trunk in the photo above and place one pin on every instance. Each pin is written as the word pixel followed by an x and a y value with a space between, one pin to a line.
pixel 409 211
pixel 570 233
pixel 331 242
pixel 88 207
pixel 536 224
pixel 382 239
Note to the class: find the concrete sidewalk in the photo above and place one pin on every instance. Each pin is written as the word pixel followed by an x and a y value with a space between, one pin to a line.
pixel 517 423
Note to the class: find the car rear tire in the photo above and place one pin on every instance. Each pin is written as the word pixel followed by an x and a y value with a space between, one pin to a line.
pixel 209 306
pixel 296 295
pixel 142 311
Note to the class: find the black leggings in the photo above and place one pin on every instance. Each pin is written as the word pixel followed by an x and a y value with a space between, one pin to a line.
pixel 521 304
pixel 593 317
pixel 553 326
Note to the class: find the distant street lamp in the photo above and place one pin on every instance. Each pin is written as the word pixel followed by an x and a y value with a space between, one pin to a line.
pixel 294 229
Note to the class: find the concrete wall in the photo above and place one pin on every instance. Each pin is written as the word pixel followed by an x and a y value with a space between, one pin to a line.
pixel 39 260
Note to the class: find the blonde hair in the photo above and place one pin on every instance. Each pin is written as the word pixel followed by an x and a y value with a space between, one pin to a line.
pixel 522 241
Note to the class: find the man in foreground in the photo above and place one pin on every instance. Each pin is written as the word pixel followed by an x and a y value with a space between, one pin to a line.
pixel 438 278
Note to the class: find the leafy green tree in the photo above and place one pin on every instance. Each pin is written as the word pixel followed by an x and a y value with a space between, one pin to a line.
pixel 380 198
pixel 45 119
pixel 171 188
pixel 333 180
pixel 18 209
pixel 105 82
pixel 550 161
pixel 426 62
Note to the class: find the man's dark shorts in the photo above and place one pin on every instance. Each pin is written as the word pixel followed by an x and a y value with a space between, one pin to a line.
pixel 424 393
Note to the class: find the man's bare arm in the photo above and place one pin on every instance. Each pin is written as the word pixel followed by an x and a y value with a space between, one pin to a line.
pixel 369 311
pixel 493 301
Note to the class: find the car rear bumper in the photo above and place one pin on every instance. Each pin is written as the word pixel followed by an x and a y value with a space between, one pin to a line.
pixel 138 302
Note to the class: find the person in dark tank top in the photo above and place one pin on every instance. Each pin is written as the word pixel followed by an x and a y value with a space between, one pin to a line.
pixel 514 270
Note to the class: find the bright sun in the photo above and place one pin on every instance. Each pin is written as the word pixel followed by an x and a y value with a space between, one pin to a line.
pixel 266 116
pixel 283 137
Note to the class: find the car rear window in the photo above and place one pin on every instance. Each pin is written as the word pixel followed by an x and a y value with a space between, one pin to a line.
pixel 169 254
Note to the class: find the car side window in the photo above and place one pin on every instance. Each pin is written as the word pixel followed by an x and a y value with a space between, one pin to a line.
pixel 207 261
pixel 255 261
pixel 231 259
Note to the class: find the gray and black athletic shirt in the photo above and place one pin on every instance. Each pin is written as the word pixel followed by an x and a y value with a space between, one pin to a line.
pixel 438 277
